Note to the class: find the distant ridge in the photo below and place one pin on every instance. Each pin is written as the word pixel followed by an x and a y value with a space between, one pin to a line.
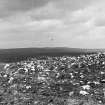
pixel 17 54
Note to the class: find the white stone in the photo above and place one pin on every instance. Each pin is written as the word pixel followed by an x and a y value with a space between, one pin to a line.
pixel 103 63
pixel 29 65
pixel 5 76
pixel 96 82
pixel 71 93
pixel 33 68
pixel 35 102
pixel 87 87
pixel 46 70
pixel 100 102
pixel 75 83
pixel 81 81
pixel 11 79
pixel 7 65
pixel 27 87
pixel 84 92
pixel 103 80
pixel 41 78
pixel 82 76
pixel 40 67
pixel 26 69
pixel 102 72
pixel 71 75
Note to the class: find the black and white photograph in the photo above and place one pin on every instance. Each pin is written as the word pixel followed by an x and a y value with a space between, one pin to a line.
pixel 52 52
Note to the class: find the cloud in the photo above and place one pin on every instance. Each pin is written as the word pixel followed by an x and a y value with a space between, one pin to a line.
pixel 55 23
pixel 10 7
pixel 73 5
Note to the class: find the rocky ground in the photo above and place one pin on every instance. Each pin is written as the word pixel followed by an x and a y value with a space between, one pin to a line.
pixel 54 81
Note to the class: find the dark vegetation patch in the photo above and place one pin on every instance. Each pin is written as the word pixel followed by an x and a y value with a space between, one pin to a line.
pixel 15 55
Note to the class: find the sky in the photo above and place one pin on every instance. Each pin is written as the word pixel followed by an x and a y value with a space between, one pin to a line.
pixel 52 23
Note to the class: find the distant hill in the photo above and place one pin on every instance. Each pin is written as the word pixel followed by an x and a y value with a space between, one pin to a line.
pixel 12 55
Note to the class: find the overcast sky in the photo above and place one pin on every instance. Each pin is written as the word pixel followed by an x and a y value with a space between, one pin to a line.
pixel 52 23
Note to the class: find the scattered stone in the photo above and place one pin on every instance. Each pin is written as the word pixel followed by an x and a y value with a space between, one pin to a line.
pixel 86 87
pixel 83 92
